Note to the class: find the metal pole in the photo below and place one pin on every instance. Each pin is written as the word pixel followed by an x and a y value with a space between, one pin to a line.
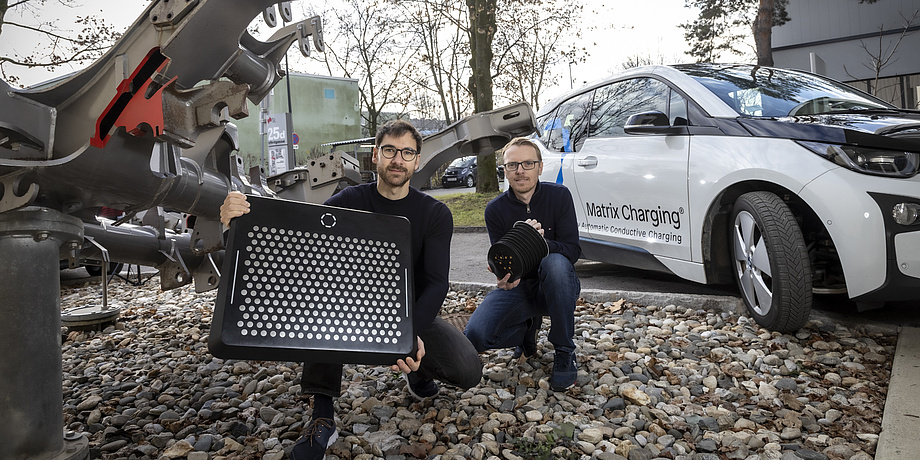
pixel 571 82
pixel 31 422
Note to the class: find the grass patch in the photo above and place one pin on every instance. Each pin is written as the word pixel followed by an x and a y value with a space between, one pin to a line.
pixel 468 208
pixel 543 450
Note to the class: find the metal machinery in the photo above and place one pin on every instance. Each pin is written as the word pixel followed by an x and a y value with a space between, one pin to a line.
pixel 147 128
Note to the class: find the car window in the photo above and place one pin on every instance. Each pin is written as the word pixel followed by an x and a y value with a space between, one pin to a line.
pixel 616 102
pixel 544 125
pixel 564 130
pixel 462 162
pixel 768 92
pixel 677 108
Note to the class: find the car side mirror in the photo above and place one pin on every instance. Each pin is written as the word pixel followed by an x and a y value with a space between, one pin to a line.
pixel 653 122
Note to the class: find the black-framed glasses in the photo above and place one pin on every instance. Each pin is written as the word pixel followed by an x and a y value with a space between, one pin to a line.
pixel 527 165
pixel 388 151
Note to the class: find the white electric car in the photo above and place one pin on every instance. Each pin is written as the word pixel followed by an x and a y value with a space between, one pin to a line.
pixel 789 182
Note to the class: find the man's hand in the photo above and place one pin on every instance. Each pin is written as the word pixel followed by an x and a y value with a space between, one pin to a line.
pixel 504 284
pixel 235 205
pixel 410 365
pixel 533 223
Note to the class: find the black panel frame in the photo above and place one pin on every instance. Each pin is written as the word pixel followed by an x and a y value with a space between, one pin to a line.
pixel 298 276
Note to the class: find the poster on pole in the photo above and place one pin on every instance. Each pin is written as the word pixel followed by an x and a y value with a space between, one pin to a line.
pixel 280 146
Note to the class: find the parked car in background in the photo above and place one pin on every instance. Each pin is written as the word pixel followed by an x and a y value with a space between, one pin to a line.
pixel 461 171
pixel 788 182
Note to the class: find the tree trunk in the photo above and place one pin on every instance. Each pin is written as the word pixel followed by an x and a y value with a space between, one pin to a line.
pixel 482 29
pixel 763 32
pixel 4 5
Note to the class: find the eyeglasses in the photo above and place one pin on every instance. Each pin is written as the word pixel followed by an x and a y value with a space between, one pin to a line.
pixel 527 165
pixel 388 151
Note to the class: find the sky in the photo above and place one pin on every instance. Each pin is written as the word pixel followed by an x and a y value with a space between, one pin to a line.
pixel 613 31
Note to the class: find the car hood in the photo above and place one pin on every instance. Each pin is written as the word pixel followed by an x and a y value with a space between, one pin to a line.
pixel 895 130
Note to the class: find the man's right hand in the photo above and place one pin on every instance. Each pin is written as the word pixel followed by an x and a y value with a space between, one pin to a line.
pixel 504 284
pixel 235 205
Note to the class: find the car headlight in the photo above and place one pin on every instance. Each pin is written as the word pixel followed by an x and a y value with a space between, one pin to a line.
pixel 868 160
pixel 906 213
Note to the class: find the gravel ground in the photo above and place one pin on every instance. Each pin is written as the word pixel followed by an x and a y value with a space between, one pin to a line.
pixel 654 382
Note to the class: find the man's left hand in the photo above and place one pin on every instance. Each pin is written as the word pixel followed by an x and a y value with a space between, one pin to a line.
pixel 535 224
pixel 410 365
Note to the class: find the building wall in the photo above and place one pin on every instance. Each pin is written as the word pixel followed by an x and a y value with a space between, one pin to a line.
pixel 838 32
pixel 324 109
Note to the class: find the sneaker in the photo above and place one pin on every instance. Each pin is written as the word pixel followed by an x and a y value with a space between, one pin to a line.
pixel 420 387
pixel 528 346
pixel 317 437
pixel 564 371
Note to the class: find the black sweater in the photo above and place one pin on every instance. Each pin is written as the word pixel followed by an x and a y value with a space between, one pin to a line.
pixel 432 227
pixel 551 205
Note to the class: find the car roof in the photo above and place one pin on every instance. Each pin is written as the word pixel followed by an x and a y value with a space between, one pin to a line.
pixel 711 103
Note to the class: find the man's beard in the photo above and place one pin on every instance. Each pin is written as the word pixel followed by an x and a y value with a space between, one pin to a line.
pixel 382 172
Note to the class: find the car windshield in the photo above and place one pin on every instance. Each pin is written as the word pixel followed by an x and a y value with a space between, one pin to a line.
pixel 768 92
pixel 461 162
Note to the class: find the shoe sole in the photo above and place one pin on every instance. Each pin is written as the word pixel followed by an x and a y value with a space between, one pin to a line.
pixel 409 388
pixel 561 388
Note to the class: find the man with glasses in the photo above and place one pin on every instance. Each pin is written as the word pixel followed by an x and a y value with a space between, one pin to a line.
pixel 511 315
pixel 448 355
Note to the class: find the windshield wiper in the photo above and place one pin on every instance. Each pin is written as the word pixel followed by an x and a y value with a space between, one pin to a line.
pixel 864 111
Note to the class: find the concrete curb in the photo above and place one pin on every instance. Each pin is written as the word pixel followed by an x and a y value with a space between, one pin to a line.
pixel 720 303
pixel 901 418
pixel 698 301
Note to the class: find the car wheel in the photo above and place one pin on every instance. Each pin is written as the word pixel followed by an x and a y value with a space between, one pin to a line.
pixel 469 181
pixel 96 270
pixel 771 262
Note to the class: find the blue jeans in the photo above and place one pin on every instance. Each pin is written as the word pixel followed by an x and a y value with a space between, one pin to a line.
pixel 502 318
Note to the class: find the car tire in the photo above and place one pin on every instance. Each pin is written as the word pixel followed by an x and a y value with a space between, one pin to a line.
pixel 470 182
pixel 771 262
pixel 96 270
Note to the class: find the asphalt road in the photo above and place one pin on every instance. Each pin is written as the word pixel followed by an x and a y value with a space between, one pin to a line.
pixel 468 264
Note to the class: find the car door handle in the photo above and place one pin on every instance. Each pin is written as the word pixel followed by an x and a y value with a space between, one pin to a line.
pixel 587 162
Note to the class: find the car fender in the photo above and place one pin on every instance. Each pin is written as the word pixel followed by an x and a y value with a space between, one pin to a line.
pixel 856 223
pixel 726 162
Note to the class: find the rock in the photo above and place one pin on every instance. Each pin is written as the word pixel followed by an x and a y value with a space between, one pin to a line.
pixel 89 403
pixel 808 454
pixel 114 445
pixel 384 440
pixel 636 396
pixel 839 452
pixel 654 382
pixel 591 435
pixel 767 391
pixel 533 416
pixel 707 445
pixel 710 382
pixel 179 449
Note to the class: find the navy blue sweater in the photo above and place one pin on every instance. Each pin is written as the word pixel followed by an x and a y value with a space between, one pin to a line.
pixel 431 225
pixel 551 205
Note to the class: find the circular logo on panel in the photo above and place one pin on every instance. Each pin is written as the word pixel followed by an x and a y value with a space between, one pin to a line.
pixel 328 220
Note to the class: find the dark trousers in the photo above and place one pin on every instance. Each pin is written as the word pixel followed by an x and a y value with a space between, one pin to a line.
pixel 502 318
pixel 449 358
